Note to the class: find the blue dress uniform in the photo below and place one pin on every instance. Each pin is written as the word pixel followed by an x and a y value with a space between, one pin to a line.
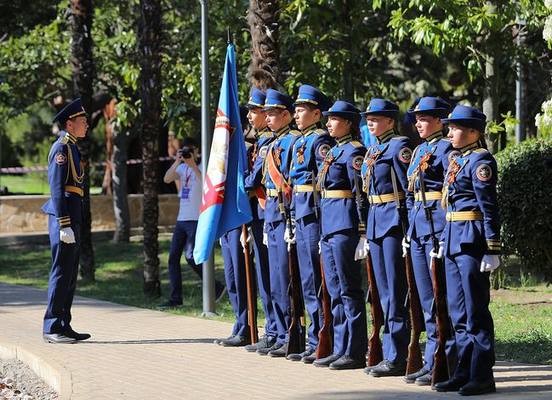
pixel 430 160
pixel 253 184
pixel 341 221
pixel 309 152
pixel 472 231
pixel 64 209
pixel 236 285
pixel 280 149
pixel 390 155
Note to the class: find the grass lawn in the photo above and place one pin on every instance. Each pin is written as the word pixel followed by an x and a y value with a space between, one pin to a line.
pixel 32 183
pixel 522 316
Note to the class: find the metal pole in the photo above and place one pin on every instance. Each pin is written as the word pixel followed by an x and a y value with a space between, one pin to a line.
pixel 521 88
pixel 206 139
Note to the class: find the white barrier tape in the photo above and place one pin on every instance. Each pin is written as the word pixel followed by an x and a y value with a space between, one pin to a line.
pixel 42 168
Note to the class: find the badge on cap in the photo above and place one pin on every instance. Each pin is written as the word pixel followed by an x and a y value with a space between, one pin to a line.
pixel 357 162
pixel 484 172
pixel 405 154
pixel 323 150
pixel 60 159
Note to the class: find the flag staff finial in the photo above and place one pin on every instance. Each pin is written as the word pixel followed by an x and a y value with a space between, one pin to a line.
pixel 230 40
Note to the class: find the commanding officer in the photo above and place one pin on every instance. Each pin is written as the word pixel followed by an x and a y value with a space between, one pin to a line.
pixel 471 249
pixel 64 209
pixel 429 162
pixel 279 109
pixel 343 236
pixel 253 185
pixel 308 154
pixel 384 172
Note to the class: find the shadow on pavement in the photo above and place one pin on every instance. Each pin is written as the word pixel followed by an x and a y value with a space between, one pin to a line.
pixel 151 341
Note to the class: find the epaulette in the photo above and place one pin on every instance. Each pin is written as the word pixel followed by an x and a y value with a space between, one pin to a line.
pixel 320 131
pixel 399 137
pixel 267 134
pixel 356 143
pixel 480 150
pixel 64 140
pixel 295 132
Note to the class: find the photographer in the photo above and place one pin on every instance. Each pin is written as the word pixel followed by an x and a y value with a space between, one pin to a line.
pixel 185 170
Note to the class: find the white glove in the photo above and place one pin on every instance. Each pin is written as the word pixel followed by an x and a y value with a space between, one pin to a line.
pixel 405 246
pixel 440 253
pixel 66 235
pixel 265 238
pixel 289 236
pixel 490 262
pixel 361 249
pixel 319 247
pixel 247 240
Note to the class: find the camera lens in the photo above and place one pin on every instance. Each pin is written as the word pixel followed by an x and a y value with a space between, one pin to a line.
pixel 185 152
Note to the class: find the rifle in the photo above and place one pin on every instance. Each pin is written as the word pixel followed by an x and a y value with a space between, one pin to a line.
pixel 325 340
pixel 296 343
pixel 441 370
pixel 374 355
pixel 414 360
pixel 251 297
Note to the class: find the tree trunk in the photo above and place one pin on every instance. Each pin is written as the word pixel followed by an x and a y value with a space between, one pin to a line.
pixel 150 80
pixel 262 18
pixel 348 86
pixel 109 115
pixel 119 182
pixel 83 75
pixel 491 99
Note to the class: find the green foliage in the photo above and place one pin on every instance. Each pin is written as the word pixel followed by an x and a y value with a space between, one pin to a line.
pixel 525 173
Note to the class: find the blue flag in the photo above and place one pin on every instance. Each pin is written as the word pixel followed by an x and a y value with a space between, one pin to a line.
pixel 225 204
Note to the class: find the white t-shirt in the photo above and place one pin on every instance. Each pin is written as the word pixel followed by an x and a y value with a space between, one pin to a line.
pixel 190 193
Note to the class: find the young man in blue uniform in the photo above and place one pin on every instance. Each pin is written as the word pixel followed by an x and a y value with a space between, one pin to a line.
pixel 471 248
pixel 64 209
pixel 253 184
pixel 279 109
pixel 429 162
pixel 342 240
pixel 309 152
pixel 385 162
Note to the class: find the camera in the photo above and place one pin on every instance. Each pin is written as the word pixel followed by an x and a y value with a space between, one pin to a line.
pixel 185 152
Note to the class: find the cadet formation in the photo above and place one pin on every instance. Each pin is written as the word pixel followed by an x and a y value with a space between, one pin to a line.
pixel 327 203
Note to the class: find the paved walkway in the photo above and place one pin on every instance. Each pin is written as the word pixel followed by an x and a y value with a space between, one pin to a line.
pixel 143 354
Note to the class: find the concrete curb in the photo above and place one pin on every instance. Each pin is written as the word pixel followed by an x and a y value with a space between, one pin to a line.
pixel 52 373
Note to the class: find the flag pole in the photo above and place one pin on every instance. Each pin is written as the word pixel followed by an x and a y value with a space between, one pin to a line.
pixel 208 284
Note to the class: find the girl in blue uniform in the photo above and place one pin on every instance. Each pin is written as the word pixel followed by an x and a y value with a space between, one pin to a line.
pixel 471 247
pixel 386 162
pixel 342 236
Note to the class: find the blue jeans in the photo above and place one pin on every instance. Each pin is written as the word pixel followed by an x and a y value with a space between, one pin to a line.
pixel 183 240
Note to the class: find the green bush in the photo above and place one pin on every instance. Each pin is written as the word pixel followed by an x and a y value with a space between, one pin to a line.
pixel 525 201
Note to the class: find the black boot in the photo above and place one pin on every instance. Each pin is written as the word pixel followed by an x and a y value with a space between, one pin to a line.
pixel 474 388
pixel 326 361
pixel 347 362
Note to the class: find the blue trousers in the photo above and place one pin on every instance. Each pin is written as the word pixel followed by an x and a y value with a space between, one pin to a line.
pixel 307 233
pixel 468 299
pixel 279 279
pixel 236 284
pixel 386 253
pixel 421 263
pixel 344 283
pixel 262 270
pixel 63 279
pixel 183 240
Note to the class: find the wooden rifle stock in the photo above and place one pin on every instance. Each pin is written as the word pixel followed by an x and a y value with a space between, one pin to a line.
pixel 296 344
pixel 375 351
pixel 325 341
pixel 441 371
pixel 414 360
pixel 251 297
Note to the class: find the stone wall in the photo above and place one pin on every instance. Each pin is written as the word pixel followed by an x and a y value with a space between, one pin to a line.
pixel 22 215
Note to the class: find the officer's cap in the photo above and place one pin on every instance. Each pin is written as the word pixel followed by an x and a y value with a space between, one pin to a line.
pixel 434 106
pixel 71 110
pixel 310 95
pixel 275 99
pixel 382 107
pixel 256 99
pixel 466 116
pixel 345 110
